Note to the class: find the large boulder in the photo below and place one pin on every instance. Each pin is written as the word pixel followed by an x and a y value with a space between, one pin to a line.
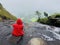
pixel 37 41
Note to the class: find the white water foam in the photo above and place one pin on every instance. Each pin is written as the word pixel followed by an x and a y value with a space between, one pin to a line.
pixel 55 35
pixel 47 38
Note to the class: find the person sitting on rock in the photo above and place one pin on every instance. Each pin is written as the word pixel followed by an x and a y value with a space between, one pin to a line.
pixel 18 29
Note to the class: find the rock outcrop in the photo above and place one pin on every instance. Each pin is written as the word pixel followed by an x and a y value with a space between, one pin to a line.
pixel 37 41
pixel 49 34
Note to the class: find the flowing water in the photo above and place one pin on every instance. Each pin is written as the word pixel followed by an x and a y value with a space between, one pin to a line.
pixel 50 34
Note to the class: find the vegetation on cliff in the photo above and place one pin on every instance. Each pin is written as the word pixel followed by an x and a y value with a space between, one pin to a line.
pixel 5 13
pixel 53 19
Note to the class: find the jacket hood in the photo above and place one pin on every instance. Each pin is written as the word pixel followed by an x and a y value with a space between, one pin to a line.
pixel 19 21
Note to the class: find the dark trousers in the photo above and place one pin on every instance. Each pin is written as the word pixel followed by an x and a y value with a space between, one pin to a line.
pixel 20 39
pixel 15 39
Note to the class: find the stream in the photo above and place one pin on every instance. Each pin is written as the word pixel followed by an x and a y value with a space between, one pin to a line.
pixel 50 34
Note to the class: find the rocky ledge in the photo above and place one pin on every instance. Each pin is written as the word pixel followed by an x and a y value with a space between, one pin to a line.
pixel 50 34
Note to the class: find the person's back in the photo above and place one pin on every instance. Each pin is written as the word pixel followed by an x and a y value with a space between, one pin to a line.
pixel 18 28
pixel 17 33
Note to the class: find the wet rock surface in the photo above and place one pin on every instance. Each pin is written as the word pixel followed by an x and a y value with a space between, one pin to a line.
pixel 32 30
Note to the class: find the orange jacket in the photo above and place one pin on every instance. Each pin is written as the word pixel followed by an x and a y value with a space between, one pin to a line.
pixel 18 28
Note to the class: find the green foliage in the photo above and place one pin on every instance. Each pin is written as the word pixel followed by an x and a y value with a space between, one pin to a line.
pixel 33 20
pixel 39 14
pixel 48 19
pixel 5 13
pixel 43 20
pixel 45 14
pixel 55 15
